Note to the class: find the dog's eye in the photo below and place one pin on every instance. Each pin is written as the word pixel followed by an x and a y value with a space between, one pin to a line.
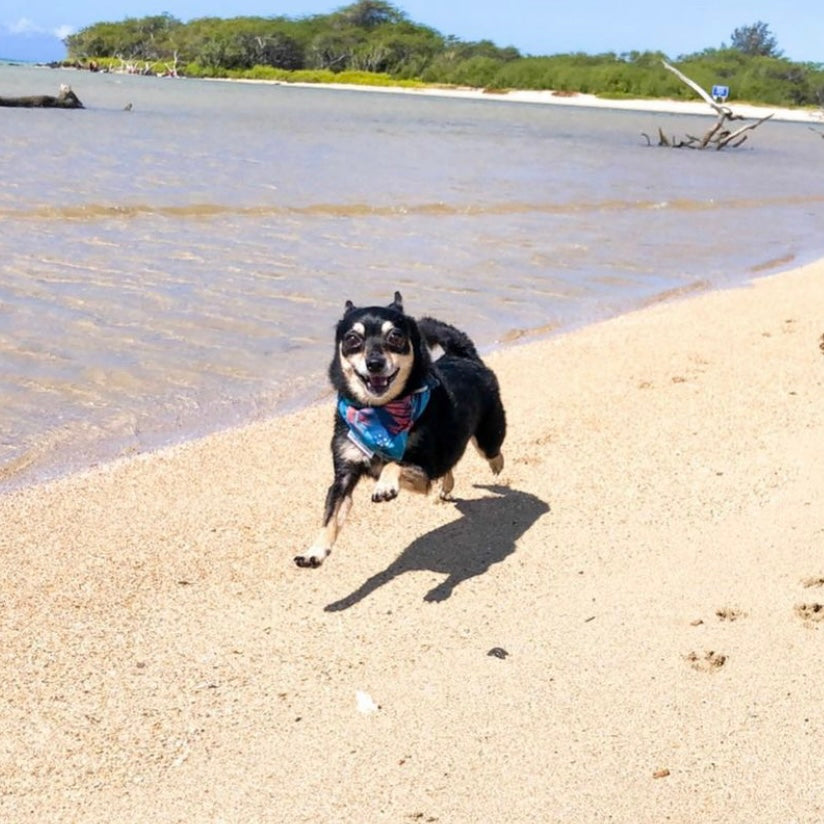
pixel 396 339
pixel 352 341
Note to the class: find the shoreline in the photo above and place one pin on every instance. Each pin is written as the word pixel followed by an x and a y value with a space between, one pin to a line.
pixel 638 597
pixel 573 99
pixel 315 399
pixel 111 456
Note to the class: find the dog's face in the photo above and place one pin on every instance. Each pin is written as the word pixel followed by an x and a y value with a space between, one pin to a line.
pixel 378 351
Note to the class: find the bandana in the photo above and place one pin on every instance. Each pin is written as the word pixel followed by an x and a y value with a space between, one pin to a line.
pixel 384 430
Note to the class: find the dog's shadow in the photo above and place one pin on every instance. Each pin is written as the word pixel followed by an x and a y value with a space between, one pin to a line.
pixel 485 535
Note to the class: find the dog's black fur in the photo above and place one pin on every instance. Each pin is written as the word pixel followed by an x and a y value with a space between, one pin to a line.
pixel 382 354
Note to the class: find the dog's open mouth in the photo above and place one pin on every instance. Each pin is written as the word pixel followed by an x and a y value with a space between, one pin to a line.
pixel 378 384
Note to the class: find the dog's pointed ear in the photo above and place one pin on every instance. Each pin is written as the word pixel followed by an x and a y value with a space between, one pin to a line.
pixel 348 306
pixel 397 303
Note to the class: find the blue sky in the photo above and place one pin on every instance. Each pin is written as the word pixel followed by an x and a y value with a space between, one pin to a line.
pixel 31 28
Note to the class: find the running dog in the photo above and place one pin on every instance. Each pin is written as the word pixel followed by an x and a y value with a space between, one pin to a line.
pixel 402 418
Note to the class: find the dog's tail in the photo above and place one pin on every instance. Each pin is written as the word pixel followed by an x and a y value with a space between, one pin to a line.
pixel 452 341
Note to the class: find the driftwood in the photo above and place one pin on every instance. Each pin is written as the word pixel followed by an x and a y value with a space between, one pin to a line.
pixel 720 135
pixel 65 99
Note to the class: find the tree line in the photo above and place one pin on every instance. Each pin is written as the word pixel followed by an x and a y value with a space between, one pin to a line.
pixel 374 41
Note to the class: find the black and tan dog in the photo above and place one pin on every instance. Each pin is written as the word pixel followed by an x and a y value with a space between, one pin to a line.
pixel 403 419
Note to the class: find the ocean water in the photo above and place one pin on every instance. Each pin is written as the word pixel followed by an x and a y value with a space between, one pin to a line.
pixel 179 267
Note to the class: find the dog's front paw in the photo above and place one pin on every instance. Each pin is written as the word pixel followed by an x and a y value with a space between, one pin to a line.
pixel 312 558
pixel 388 484
pixel 384 492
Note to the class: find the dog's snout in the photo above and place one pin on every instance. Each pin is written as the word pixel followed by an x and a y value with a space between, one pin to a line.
pixel 375 361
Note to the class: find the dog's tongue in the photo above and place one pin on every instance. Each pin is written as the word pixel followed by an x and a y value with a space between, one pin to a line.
pixel 379 382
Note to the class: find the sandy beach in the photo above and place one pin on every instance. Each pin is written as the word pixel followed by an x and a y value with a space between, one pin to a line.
pixel 554 98
pixel 625 627
pixel 664 105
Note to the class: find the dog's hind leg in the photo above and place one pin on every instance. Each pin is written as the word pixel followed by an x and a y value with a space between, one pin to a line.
pixel 496 462
pixel 447 485
pixel 489 436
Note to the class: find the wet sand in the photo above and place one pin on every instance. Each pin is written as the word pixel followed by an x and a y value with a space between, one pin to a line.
pixel 625 627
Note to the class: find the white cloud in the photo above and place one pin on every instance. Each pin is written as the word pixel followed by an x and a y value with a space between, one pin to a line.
pixel 24 26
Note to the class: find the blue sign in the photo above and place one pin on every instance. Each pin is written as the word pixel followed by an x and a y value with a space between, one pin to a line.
pixel 720 93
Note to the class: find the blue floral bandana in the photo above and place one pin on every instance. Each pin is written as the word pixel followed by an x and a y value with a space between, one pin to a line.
pixel 384 430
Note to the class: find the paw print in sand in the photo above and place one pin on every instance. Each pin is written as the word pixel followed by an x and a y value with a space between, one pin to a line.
pixel 706 662
pixel 810 613
pixel 729 614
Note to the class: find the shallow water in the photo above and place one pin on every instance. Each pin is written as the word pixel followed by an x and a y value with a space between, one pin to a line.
pixel 177 268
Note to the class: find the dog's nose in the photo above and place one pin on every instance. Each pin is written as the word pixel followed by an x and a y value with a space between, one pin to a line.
pixel 375 362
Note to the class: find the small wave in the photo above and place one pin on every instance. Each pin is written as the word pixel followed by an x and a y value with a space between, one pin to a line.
pixel 677 292
pixel 196 211
pixel 513 335
pixel 774 263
